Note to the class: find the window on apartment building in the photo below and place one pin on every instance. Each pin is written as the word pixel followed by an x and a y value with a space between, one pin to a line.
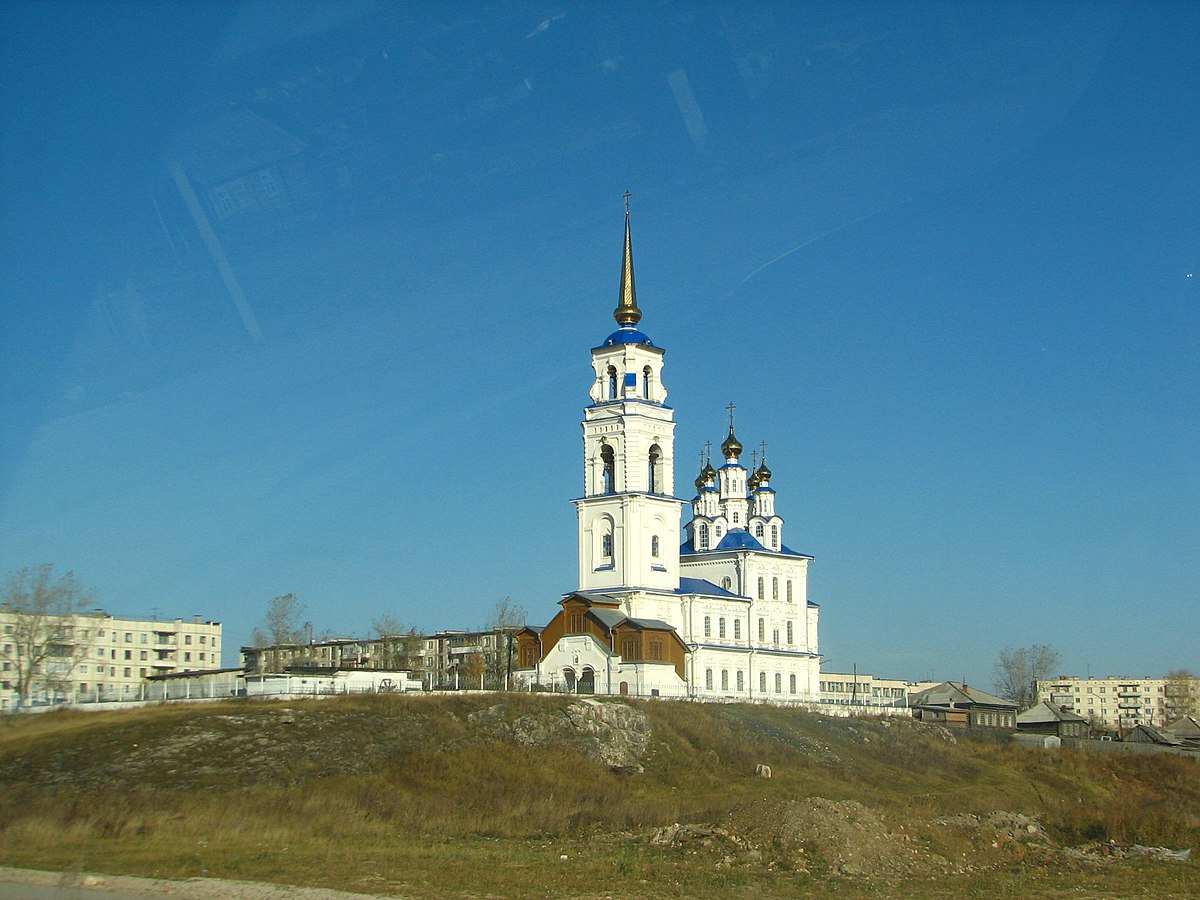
pixel 741 683
pixel 187 657
pixel 143 673
pixel 204 639
pixel 724 679
pixel 721 627
pixel 142 654
pixel 737 629
pixel 100 632
pixel 201 656
pixel 129 654
pixel 143 637
pixel 708 680
pixel 128 672
pixel 129 637
pixel 187 638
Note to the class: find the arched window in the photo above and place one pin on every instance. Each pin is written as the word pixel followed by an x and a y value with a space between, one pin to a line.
pixel 791 684
pixel 654 476
pixel 654 546
pixel 789 590
pixel 762 629
pixel 724 679
pixel 737 629
pixel 708 679
pixel 609 461
pixel 741 682
pixel 775 537
pixel 612 382
pixel 789 632
pixel 762 682
pixel 735 518
pixel 708 626
pixel 703 539
pixel 721 627
pixel 761 594
pixel 778 683
pixel 647 375
pixel 775 636
pixel 726 582
pixel 758 531
pixel 774 588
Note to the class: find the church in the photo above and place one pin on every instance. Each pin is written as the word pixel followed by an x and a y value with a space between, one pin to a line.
pixel 719 609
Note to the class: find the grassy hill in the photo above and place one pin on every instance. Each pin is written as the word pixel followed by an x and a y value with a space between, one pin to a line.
pixel 514 795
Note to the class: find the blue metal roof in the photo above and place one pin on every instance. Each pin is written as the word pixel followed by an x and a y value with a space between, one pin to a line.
pixel 739 539
pixel 627 335
pixel 701 586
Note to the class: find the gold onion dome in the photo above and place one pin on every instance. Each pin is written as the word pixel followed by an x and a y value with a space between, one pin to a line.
pixel 732 446
pixel 762 474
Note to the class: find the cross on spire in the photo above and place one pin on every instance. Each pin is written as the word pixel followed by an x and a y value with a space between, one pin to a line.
pixel 731 408
pixel 627 203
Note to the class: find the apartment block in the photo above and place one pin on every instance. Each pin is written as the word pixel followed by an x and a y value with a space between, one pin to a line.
pixel 98 657
pixel 1119 703
pixel 862 689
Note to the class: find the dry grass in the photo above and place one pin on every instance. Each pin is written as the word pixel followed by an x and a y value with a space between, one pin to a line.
pixel 410 795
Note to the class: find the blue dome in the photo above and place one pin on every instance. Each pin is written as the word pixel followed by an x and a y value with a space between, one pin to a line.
pixel 627 335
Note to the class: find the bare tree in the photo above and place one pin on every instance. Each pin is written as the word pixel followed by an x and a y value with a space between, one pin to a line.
pixel 397 642
pixel 1018 672
pixel 507 618
pixel 283 622
pixel 1181 694
pixel 39 613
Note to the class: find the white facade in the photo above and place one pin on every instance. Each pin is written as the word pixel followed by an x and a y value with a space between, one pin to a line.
pixel 734 594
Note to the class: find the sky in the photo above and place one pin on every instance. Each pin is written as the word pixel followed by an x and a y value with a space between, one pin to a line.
pixel 300 298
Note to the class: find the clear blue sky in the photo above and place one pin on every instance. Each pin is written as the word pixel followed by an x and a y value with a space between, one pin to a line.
pixel 944 257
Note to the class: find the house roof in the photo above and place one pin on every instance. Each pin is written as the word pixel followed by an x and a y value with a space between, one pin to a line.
pixel 1187 728
pixel 1047 712
pixel 953 693
pixel 1153 735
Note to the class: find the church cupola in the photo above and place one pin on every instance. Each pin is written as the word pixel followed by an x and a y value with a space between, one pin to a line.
pixel 731 449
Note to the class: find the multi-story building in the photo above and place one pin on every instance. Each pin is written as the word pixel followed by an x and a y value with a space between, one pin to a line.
pixel 445 659
pixel 1118 703
pixel 99 657
pixel 862 689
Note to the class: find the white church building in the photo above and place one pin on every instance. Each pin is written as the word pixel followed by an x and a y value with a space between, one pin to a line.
pixel 719 611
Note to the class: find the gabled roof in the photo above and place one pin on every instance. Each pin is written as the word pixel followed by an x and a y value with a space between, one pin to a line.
pixel 952 693
pixel 609 618
pixel 1047 712
pixel 1153 735
pixel 1187 728
pixel 590 598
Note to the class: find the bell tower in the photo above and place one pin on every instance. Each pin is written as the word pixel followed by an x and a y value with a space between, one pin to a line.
pixel 628 516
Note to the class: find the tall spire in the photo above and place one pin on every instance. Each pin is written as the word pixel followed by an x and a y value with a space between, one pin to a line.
pixel 627 312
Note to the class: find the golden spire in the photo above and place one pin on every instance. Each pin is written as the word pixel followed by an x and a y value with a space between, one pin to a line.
pixel 627 312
